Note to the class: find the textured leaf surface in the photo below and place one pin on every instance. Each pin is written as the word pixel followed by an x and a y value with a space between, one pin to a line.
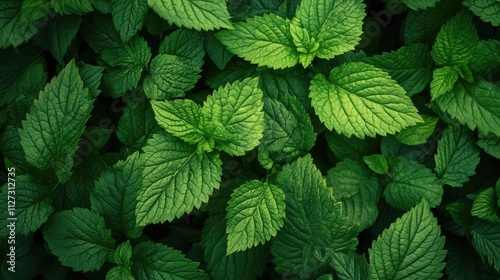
pixel 67 7
pixel 486 241
pixel 419 133
pixel 361 100
pixel 137 124
pixel 350 147
pixel 313 220
pixel 490 144
pixel 197 14
pixel 485 206
pixel 411 248
pixel 58 34
pixel 349 266
pixel 157 261
pixel 176 179
pixel 377 163
pixel 255 213
pixel 91 76
pixel 420 4
pixel 14 31
pixel 128 17
pixel 457 156
pixel 487 10
pixel 55 122
pixel 411 182
pixel 79 238
pixel 264 40
pixel 443 80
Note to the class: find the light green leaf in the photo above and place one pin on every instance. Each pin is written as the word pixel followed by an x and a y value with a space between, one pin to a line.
pixel 358 189
pixel 314 221
pixel 263 40
pixel 52 129
pixel 350 266
pixel 377 163
pixel 114 196
pixel 68 7
pixel 456 42
pixel 119 273
pixel 128 17
pixel 420 4
pixel 419 133
pixel 359 99
pixel 91 76
pixel 306 46
pixel 123 254
pixel 486 241
pixel 411 248
pixel 246 265
pixel 474 104
pixel 443 80
pixel 32 204
pixel 58 34
pixel 14 31
pixel 255 213
pixel 176 179
pixel 457 156
pixel 336 26
pixel 196 14
pixel 485 206
pixel 490 144
pixel 487 10
pixel 157 261
pixel 410 183
pixel 237 108
pixel 410 66
pixel 79 238
pixel 181 118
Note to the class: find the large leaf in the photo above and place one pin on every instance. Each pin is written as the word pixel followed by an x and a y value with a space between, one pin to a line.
pixel 486 241
pixel 58 34
pixel 487 10
pixel 362 100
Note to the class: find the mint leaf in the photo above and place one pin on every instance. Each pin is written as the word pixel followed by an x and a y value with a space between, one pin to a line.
pixel 175 175
pixel 443 80
pixel 33 10
pixel 119 273
pixel 99 32
pixel 350 147
pixel 474 104
pixel 52 129
pixel 157 261
pixel 486 241
pixel 286 86
pixel 196 14
pixel 486 57
pixel 377 163
pixel 350 266
pixel 128 17
pixel 184 43
pixel 313 220
pixel 490 144
pixel 68 7
pixel 114 196
pixel 58 34
pixel 14 31
pixel 17 85
pixel 410 182
pixel 91 76
pixel 237 110
pixel 457 156
pixel 487 10
pixel 419 4
pixel 217 52
pixel 263 40
pixel 410 66
pixel 79 238
pixel 456 42
pixel 255 213
pixel 123 254
pixel 485 206
pixel 336 26
pixel 419 133
pixel 411 248
pixel 361 100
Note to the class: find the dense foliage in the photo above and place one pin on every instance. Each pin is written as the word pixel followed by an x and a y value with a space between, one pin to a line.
pixel 250 139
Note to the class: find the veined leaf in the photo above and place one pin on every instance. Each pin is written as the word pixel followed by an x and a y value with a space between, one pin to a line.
pixel 52 129
pixel 91 76
pixel 419 133
pixel 487 10
pixel 197 14
pixel 359 99
pixel 443 80
pixel 79 238
pixel 99 32
pixel 350 147
pixel 377 163
pixel 411 248
pixel 420 4
pixel 58 34
pixel 350 266
pixel 486 241
pixel 128 17
pixel 176 179
pixel 14 31
pixel 457 156
pixel 490 144
pixel 485 206
pixel 68 7
pixel 255 213
pixel 184 43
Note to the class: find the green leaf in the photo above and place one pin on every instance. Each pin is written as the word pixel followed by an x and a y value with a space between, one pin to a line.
pixel 335 25
pixel 358 189
pixel 255 213
pixel 79 238
pixel 196 14
pixel 487 10
pixel 420 4
pixel 486 241
pixel 157 261
pixel 91 76
pixel 457 156
pixel 350 147
pixel 52 129
pixel 17 85
pixel 456 42
pixel 485 206
pixel 181 118
pixel 410 182
pixel 68 7
pixel 128 17
pixel 285 86
pixel 490 144
pixel 99 32
pixel 461 213
pixel 263 40
pixel 176 179
pixel 411 248
pixel 123 254
pixel 217 52
pixel 58 34
pixel 184 43
pixel 114 196
pixel 349 266
pixel 361 100
pixel 377 163
pixel 314 220
pixel 306 46
pixel 119 273
pixel 33 10
pixel 14 31
pixel 486 57
pixel 419 133
pixel 410 66
pixel 246 265
pixel 443 80
pixel 237 109
pixel 474 104
pixel 32 205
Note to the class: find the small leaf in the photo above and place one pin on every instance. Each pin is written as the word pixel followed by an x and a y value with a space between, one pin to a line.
pixel 443 80
pixel 377 163
pixel 486 241
pixel 68 7
pixel 419 133
pixel 58 34
pixel 487 10
pixel 14 31
pixel 490 144
pixel 128 17
pixel 485 206
pixel 349 266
